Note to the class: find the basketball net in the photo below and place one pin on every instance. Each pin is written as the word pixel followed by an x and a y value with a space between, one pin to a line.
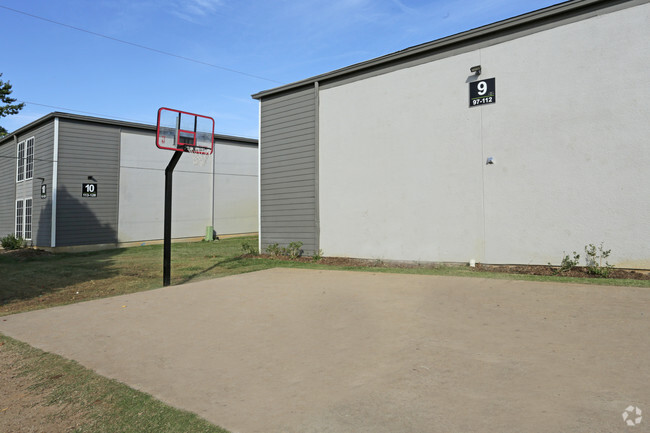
pixel 200 155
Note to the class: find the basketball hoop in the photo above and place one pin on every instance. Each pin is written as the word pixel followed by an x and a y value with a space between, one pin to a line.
pixel 180 131
pixel 200 155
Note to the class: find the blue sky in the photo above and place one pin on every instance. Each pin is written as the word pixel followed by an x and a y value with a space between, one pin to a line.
pixel 279 41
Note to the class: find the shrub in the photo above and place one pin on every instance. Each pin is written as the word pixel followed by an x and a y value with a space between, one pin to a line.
pixel 249 249
pixel 568 263
pixel 294 250
pixel 11 242
pixel 274 250
pixel 594 260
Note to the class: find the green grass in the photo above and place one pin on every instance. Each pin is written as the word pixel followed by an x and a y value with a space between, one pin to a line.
pixel 105 406
pixel 460 271
pixel 465 272
pixel 48 280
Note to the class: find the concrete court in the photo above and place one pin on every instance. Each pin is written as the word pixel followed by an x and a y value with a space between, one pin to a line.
pixel 307 351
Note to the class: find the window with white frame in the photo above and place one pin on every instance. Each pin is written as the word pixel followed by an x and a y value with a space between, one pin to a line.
pixel 20 171
pixel 19 217
pixel 25 160
pixel 24 218
pixel 28 219
pixel 29 159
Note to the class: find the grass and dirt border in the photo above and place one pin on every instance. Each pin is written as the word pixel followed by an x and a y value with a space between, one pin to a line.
pixel 83 400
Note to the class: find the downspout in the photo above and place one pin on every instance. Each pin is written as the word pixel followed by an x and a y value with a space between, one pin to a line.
pixel 212 223
pixel 55 167
pixel 316 170
pixel 15 184
pixel 259 177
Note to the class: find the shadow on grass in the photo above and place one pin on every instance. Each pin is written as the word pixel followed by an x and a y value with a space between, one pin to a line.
pixel 237 264
pixel 33 277
pixel 26 274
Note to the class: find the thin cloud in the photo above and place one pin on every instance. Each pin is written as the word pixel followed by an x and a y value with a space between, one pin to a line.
pixel 403 7
pixel 201 7
pixel 194 10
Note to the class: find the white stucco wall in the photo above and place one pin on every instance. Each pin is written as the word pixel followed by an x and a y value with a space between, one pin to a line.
pixel 398 176
pixel 142 174
pixel 235 189
pixel 402 156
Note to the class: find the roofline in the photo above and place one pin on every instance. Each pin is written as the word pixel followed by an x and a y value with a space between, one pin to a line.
pixel 540 16
pixel 133 125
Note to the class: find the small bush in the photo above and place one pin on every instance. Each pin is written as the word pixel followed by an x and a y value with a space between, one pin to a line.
pixel 294 250
pixel 249 249
pixel 568 263
pixel 274 250
pixel 12 242
pixel 594 260
pixel 318 255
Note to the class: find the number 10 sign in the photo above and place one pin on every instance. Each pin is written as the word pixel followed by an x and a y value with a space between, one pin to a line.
pixel 482 92
pixel 89 190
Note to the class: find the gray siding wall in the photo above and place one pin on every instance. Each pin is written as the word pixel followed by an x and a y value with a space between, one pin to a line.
pixel 10 190
pixel 87 149
pixel 288 149
pixel 7 187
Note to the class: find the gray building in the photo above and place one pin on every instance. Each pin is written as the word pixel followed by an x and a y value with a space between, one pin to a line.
pixel 73 182
pixel 509 143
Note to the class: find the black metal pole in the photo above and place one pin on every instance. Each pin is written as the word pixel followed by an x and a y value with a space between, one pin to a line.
pixel 167 250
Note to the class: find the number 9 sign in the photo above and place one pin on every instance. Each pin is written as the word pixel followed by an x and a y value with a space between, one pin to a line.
pixel 482 92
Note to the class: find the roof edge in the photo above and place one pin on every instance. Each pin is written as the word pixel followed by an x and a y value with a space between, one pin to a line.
pixel 133 125
pixel 541 16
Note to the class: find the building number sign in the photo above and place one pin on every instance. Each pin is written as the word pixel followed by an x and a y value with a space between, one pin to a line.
pixel 482 92
pixel 43 190
pixel 89 190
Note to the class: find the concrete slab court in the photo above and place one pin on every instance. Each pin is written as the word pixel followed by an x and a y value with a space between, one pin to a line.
pixel 288 350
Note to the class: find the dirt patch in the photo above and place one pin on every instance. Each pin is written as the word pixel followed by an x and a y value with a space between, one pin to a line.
pixel 23 406
pixel 75 293
pixel 25 253
pixel 542 270
pixel 577 272
pixel 332 261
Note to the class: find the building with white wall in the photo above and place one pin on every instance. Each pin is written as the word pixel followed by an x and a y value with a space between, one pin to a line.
pixel 388 159
pixel 45 166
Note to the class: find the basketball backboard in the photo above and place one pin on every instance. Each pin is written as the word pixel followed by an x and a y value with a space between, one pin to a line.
pixel 186 132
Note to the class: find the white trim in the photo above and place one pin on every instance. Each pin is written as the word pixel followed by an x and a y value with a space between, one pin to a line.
pixel 316 168
pixel 213 201
pixel 259 177
pixel 55 167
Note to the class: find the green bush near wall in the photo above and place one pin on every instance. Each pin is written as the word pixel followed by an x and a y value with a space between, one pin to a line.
pixel 12 242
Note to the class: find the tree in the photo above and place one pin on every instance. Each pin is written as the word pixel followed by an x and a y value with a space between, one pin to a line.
pixel 7 105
